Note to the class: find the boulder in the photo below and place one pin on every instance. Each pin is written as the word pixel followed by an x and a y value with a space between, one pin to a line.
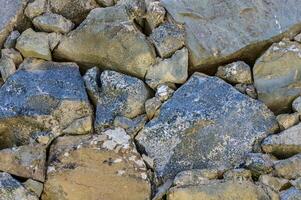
pixel 286 121
pixel 229 190
pixel 43 96
pixel 259 163
pixel 34 44
pixel 11 40
pixel 98 167
pixel 222 31
pixel 291 194
pixel 155 15
pixel 152 107
pixel 120 95
pixel 289 168
pixel 206 123
pixel 11 189
pixel 11 16
pixel 24 161
pixel 74 10
pixel 50 22
pixel 276 184
pixel 237 72
pixel 277 76
pixel 7 67
pixel 108 39
pixel 92 83
pixel 34 186
pixel 131 126
pixel 285 144
pixel 35 8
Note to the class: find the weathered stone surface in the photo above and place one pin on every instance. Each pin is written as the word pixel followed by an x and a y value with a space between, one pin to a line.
pixel 230 190
pixel 222 31
pixel 11 40
pixel 131 126
pixel 286 121
pixel 207 123
pixel 92 83
pixel 50 22
pixel 54 40
pixel 105 3
pixel 35 8
pixel 276 184
pixel 34 186
pixel 121 95
pixel 98 167
pixel 297 183
pixel 284 144
pixel 7 67
pixel 12 54
pixel 11 189
pixel 298 38
pixel 34 44
pixel 247 89
pixel 164 92
pixel 155 14
pixel 152 107
pixel 296 105
pixel 42 96
pixel 291 194
pixel 24 161
pixel 171 70
pixel 277 75
pixel 11 15
pixel 75 10
pixel 237 72
pixel 167 39
pixel 259 163
pixel 135 8
pixel 289 168
pixel 108 39
pixel 238 174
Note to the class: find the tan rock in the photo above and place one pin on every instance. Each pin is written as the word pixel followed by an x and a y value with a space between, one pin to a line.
pixel 276 184
pixel 238 175
pixel 237 72
pixel 34 186
pixel 35 8
pixel 289 168
pixel 286 121
pixel 152 106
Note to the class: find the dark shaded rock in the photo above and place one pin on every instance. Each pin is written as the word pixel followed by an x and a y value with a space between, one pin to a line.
pixel 11 40
pixel 239 174
pixel 42 96
pixel 108 39
pixel 207 123
pixel 289 168
pixel 247 89
pixel 222 31
pixel 131 126
pixel 259 163
pixel 92 83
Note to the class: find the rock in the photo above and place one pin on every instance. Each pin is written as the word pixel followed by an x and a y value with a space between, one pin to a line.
pixel 247 89
pixel 54 40
pixel 296 105
pixel 276 76
pixel 12 54
pixel 11 40
pixel 131 126
pixel 42 96
pixel 92 82
pixel 197 176
pixel 229 190
pixel 238 175
pixel 7 67
pixel 74 10
pixel 259 163
pixel 24 161
pixel 164 92
pixel 297 183
pixel 289 168
pixel 11 16
pixel 298 38
pixel 285 144
pixel 128 51
pixel 152 107
pixel 121 95
pixel 291 194
pixel 209 115
pixel 35 8
pixel 155 15
pixel 276 184
pixel 168 38
pixel 172 70
pixel 34 44
pixel 135 8
pixel 220 31
pixel 162 190
pixel 104 166
pixel 34 186
pixel 237 72
pixel 286 121
pixel 105 3
pixel 50 22
pixel 11 189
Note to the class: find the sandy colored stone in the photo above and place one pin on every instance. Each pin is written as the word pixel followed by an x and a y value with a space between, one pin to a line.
pixel 289 168
pixel 286 121
pixel 35 8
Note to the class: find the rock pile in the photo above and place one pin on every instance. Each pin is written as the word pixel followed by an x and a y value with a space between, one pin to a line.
pixel 149 99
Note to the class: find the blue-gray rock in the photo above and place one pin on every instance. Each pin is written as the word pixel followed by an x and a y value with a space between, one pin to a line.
pixel 221 31
pixel 291 194
pixel 43 96
pixel 207 123
pixel 120 95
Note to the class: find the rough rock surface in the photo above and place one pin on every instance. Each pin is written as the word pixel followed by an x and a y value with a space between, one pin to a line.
pixel 286 121
pixel 291 194
pixel 11 189
pixel 24 161
pixel 11 15
pixel 108 38
pixel 43 96
pixel 297 105
pixel 259 163
pixel 276 184
pixel 209 115
pixel 120 95
pixel 289 168
pixel 284 144
pixel 99 167
pixel 11 40
pixel 221 31
pixel 277 75
pixel 237 72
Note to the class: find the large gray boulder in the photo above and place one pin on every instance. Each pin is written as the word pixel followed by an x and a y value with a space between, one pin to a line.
pixel 108 38
pixel 11 15
pixel 43 96
pixel 207 123
pixel 222 31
